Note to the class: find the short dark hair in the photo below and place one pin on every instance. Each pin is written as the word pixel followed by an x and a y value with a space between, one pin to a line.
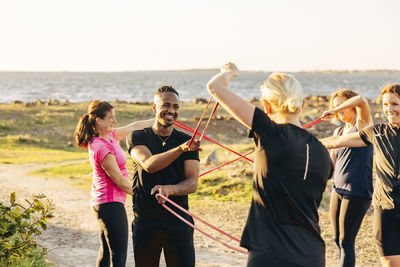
pixel 165 89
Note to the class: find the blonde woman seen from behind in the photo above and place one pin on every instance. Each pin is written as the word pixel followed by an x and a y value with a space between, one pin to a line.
pixel 290 173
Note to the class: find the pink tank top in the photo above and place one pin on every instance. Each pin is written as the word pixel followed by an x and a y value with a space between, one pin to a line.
pixel 103 188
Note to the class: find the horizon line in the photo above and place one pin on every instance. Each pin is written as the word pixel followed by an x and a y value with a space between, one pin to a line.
pixel 208 69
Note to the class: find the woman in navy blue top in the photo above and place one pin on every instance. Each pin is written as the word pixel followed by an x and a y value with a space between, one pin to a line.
pixel 291 169
pixel 352 184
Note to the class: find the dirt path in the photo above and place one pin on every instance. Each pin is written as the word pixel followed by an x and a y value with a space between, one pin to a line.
pixel 72 238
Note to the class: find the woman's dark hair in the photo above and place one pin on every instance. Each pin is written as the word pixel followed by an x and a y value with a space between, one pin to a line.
pixel 85 130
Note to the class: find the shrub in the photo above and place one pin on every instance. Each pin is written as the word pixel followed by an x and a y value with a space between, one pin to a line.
pixel 19 225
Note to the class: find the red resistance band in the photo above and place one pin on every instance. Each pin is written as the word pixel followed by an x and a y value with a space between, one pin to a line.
pixel 314 122
pixel 198 229
pixel 201 119
pixel 194 216
pixel 187 128
pixel 248 153
pixel 181 125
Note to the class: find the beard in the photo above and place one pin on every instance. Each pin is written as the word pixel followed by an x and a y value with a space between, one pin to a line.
pixel 165 123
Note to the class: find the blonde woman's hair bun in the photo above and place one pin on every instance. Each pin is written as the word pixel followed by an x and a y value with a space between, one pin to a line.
pixel 283 92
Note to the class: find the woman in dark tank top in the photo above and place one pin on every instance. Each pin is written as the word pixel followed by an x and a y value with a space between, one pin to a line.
pixel 352 182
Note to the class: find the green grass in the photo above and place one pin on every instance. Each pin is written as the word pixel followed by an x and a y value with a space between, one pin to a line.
pixel 221 187
pixel 19 149
pixel 80 173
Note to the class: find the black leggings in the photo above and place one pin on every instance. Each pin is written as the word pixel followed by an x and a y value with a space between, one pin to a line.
pixel 113 231
pixel 347 213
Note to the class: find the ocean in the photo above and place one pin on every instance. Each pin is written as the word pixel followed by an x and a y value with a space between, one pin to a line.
pixel 140 86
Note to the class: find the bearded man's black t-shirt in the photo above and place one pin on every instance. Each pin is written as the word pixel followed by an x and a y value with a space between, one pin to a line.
pixel 290 175
pixel 145 205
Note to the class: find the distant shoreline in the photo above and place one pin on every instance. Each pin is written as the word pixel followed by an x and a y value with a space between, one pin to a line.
pixel 367 71
pixel 196 101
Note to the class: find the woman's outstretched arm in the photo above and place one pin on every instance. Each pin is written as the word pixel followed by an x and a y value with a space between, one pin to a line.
pixel 238 107
pixel 122 132
pixel 349 140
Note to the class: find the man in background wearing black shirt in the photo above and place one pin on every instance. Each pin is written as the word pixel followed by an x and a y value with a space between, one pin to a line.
pixel 163 163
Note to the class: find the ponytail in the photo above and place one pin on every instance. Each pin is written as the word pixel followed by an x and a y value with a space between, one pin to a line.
pixel 84 131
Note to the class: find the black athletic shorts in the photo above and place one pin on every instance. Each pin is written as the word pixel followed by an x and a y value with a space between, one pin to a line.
pixel 174 237
pixel 258 258
pixel 387 231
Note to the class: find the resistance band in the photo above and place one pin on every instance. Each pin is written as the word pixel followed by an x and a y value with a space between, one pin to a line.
pixel 244 156
pixel 209 119
pixel 314 122
pixel 197 228
pixel 187 128
pixel 198 124
pixel 229 162
pixel 194 216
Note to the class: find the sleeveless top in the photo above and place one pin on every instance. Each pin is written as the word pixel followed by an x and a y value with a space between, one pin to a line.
pixel 353 169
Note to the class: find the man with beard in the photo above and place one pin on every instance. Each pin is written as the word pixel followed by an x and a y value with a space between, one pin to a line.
pixel 163 163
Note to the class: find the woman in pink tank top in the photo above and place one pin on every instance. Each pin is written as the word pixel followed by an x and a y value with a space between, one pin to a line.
pixel 96 133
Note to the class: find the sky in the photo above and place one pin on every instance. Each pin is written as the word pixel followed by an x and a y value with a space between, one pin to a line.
pixel 265 35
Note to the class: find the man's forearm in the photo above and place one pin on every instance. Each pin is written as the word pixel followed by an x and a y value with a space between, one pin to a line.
pixel 186 187
pixel 158 162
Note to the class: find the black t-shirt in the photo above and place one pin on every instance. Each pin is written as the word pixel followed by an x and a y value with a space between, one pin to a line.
pixel 290 174
pixel 144 204
pixel 386 141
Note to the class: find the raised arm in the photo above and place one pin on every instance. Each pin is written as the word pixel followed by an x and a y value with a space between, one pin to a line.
pixel 122 132
pixel 154 163
pixel 349 140
pixel 364 118
pixel 185 187
pixel 238 107
pixel 110 166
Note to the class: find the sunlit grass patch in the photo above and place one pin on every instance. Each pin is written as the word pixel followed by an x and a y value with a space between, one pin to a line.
pixel 221 186
pixel 21 149
pixel 80 173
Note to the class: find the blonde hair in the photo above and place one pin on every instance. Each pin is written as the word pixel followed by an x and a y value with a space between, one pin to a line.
pixel 283 92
